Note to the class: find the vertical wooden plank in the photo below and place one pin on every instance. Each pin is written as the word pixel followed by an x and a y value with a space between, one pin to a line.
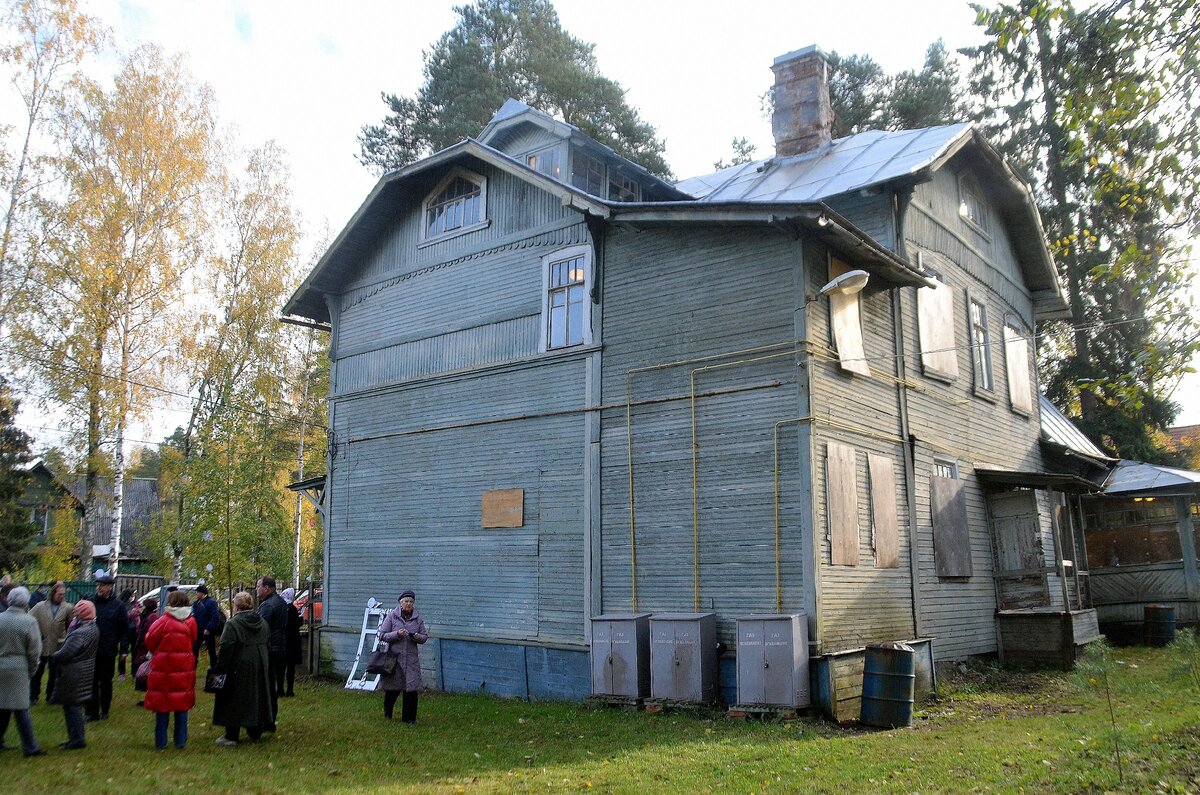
pixel 884 517
pixel 841 497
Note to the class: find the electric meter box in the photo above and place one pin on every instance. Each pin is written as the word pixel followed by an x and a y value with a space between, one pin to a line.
pixel 621 655
pixel 772 660
pixel 683 657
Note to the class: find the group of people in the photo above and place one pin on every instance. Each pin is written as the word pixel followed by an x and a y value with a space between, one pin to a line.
pixel 78 646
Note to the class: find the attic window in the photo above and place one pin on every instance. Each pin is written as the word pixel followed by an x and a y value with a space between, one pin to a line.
pixel 971 204
pixel 546 161
pixel 587 173
pixel 457 205
pixel 622 188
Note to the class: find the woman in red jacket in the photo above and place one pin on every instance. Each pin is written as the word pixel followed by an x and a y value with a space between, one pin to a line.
pixel 172 683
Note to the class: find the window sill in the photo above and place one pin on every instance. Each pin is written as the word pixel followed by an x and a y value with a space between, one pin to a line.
pixel 986 395
pixel 455 233
pixel 938 375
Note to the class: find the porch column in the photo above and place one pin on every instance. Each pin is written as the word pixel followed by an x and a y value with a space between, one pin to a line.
pixel 1187 545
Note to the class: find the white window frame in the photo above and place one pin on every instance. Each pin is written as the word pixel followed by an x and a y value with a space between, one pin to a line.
pixel 981 349
pixel 455 173
pixel 945 468
pixel 585 252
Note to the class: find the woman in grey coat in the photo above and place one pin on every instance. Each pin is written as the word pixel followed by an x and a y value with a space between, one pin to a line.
pixel 76 665
pixel 403 629
pixel 20 649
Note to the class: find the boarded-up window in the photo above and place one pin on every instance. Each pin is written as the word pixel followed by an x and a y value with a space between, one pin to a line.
pixel 841 500
pixel 884 521
pixel 935 326
pixel 1016 357
pixel 951 537
pixel 504 508
pixel 846 317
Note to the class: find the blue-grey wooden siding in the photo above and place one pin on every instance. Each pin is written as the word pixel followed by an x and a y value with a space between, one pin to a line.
pixel 440 393
pixel 683 293
pixel 954 420
pixel 860 604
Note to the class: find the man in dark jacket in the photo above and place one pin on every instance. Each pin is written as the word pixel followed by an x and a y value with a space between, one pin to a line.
pixel 113 625
pixel 273 610
pixel 204 610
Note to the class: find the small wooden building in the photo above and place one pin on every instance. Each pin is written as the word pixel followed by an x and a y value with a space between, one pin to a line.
pixel 1141 544
pixel 563 387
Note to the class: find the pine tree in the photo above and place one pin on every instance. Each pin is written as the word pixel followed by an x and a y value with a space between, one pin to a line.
pixel 1099 108
pixel 501 49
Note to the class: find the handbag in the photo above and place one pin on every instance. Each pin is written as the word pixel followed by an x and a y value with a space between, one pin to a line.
pixel 141 679
pixel 214 682
pixel 380 662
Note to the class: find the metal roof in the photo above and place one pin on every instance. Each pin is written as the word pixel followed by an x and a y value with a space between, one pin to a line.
pixel 1058 430
pixel 842 166
pixel 1136 476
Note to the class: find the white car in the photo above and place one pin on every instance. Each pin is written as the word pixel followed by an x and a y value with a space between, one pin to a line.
pixel 156 594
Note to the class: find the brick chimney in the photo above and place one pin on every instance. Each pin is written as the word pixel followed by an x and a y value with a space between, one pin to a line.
pixel 803 117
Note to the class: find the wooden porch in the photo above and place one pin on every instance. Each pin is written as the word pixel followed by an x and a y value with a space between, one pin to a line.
pixel 1035 638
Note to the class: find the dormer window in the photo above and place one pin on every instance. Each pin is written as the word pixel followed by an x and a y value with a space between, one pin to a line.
pixel 546 161
pixel 587 173
pixel 622 188
pixel 456 206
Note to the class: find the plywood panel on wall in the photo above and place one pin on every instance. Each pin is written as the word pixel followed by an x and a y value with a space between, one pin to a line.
pixel 842 498
pixel 883 511
pixel 504 508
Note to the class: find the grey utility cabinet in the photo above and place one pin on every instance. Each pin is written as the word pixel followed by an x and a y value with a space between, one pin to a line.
pixel 621 655
pixel 772 660
pixel 683 657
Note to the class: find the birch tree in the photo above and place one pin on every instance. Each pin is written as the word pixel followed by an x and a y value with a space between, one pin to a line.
pixel 48 40
pixel 122 242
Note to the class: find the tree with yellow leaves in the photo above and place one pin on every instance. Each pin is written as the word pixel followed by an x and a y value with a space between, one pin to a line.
pixel 120 246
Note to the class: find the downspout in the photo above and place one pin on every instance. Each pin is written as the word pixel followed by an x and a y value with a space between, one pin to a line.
pixel 332 302
pixel 593 568
pixel 901 200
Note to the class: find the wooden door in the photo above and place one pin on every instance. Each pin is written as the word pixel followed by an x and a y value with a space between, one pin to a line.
pixel 1021 582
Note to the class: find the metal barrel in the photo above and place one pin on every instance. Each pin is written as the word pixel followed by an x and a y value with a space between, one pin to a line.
pixel 1159 625
pixel 889 679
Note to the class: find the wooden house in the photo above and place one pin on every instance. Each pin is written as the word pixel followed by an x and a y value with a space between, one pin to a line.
pixel 563 387
pixel 50 502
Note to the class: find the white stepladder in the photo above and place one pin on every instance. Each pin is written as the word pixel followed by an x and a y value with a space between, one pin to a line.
pixel 359 679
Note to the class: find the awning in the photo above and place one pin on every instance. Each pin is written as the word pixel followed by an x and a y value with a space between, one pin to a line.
pixel 313 490
pixel 1039 480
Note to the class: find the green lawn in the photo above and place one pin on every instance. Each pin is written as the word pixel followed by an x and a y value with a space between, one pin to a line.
pixel 988 732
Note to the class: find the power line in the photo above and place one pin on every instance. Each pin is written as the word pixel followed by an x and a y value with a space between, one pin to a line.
pixel 69 367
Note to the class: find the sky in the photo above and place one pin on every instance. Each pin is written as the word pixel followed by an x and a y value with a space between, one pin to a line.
pixel 309 75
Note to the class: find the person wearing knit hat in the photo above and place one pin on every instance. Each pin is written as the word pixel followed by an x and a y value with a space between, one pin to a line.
pixel 403 630
pixel 20 649
pixel 76 664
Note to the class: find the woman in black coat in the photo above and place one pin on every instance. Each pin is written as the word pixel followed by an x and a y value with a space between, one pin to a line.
pixel 75 662
pixel 245 701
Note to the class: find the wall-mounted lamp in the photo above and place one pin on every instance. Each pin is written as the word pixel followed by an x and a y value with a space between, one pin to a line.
pixel 848 283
